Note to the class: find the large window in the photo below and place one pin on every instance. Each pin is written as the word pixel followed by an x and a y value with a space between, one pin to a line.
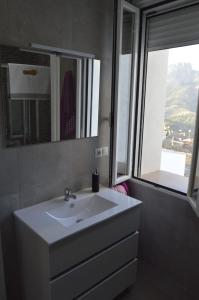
pixel 167 137
pixel 170 114
pixel 156 128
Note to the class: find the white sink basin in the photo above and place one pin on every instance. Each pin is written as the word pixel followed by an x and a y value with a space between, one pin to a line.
pixel 75 211
pixel 55 219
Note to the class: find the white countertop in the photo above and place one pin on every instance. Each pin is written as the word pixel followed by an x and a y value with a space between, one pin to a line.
pixel 36 218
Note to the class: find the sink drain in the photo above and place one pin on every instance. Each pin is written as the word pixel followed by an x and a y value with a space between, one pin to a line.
pixel 79 220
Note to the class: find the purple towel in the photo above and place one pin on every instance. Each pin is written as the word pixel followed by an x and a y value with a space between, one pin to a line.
pixel 68 108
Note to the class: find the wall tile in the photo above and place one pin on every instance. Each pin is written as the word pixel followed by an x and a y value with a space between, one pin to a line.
pixel 31 174
pixel 9 179
pixel 2 282
pixel 169 234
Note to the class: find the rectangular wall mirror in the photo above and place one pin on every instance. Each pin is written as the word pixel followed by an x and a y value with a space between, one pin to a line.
pixel 47 97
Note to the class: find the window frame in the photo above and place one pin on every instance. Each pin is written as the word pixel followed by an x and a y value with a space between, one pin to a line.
pixel 143 60
pixel 121 6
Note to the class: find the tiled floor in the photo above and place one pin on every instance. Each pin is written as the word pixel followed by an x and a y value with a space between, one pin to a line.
pixel 153 284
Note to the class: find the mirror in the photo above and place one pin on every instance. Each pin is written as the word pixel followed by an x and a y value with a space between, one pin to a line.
pixel 47 96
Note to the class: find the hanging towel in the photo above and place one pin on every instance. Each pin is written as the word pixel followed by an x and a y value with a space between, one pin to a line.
pixel 28 81
pixel 68 108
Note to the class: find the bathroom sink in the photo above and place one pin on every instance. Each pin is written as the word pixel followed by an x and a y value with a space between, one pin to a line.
pixel 56 219
pixel 62 242
pixel 75 211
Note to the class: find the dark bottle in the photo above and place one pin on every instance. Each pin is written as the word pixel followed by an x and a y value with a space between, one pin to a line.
pixel 95 182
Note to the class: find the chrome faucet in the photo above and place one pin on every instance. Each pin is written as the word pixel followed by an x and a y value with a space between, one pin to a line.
pixel 68 194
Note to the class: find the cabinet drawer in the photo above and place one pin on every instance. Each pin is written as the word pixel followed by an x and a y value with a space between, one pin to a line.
pixel 113 285
pixel 94 270
pixel 79 247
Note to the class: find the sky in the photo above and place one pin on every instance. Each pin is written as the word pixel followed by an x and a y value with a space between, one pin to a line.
pixel 188 54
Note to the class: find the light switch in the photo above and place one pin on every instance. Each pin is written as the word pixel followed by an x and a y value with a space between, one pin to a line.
pixel 104 151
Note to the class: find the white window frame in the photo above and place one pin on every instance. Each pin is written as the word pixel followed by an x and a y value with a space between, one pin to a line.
pixel 123 5
pixel 141 103
pixel 195 153
pixel 55 96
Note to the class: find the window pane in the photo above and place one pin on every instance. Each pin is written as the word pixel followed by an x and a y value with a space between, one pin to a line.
pixel 170 113
pixel 124 93
pixel 195 191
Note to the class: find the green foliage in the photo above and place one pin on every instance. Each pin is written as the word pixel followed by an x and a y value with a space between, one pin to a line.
pixel 182 97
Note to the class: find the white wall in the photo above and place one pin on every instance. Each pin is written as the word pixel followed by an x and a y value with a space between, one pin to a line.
pixel 154 110
pixel 173 162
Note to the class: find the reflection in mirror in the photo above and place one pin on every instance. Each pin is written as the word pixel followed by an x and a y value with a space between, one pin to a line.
pixel 47 97
pixel 25 102
pixel 68 87
pixel 79 97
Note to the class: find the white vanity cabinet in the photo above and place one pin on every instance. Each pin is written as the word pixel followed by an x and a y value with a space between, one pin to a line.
pixel 96 262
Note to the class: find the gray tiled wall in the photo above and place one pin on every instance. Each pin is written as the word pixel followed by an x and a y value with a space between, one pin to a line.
pixel 36 173
pixel 2 282
pixel 145 3
pixel 169 235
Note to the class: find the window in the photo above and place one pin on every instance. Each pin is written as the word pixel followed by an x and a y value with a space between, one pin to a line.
pixel 158 132
pixel 171 99
pixel 126 63
pixel 167 138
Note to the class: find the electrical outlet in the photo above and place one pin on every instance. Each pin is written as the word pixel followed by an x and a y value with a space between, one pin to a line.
pixel 104 151
pixel 98 152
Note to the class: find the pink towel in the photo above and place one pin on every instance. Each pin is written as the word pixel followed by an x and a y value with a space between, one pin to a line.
pixel 121 188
